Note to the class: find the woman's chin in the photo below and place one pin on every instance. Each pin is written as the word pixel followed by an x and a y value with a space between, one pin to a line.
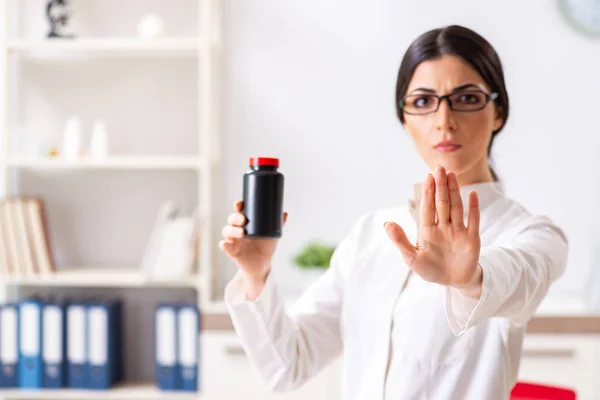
pixel 451 164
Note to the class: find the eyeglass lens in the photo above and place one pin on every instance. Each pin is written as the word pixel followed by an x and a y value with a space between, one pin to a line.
pixel 461 101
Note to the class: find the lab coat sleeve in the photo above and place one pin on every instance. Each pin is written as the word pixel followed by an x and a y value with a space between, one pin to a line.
pixel 288 347
pixel 516 277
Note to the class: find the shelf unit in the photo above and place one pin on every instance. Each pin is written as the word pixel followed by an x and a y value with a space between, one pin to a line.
pixel 124 277
pixel 203 50
pixel 181 46
pixel 113 162
pixel 134 391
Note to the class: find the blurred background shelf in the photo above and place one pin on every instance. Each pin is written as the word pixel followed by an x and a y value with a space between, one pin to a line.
pixel 112 162
pixel 137 391
pixel 121 46
pixel 125 277
pixel 156 90
pixel 153 94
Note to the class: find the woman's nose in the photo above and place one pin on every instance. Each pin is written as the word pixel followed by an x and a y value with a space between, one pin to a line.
pixel 444 117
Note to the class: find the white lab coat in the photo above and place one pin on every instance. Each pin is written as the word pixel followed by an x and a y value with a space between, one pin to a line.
pixel 401 337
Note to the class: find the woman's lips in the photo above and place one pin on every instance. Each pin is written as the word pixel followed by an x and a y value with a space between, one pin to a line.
pixel 446 147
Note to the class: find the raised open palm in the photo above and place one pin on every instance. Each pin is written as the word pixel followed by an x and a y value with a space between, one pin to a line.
pixel 447 251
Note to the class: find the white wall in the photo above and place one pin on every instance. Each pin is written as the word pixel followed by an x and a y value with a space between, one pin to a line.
pixel 313 83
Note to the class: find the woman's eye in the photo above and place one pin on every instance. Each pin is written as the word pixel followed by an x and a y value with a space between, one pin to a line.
pixel 470 98
pixel 422 101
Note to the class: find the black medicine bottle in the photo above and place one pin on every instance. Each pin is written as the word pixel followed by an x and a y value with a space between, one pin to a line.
pixel 263 198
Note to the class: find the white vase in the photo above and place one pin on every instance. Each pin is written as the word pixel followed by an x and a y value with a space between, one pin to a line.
pixel 72 139
pixel 150 26
pixel 99 141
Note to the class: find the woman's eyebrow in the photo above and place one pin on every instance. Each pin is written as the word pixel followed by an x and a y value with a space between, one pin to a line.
pixel 466 86
pixel 426 90
pixel 456 89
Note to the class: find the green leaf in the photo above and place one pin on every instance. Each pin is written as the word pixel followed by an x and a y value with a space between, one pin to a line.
pixel 314 255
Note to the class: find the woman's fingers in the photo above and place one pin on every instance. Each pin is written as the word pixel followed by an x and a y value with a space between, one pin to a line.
pixel 232 232
pixel 428 202
pixel 238 206
pixel 398 236
pixel 456 204
pixel 473 224
pixel 236 219
pixel 442 200
pixel 239 219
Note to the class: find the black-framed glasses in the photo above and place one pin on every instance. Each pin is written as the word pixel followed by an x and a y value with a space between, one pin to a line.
pixel 463 101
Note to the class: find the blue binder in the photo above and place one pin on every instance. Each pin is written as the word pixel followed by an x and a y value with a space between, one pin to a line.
pixel 54 353
pixel 9 346
pixel 76 345
pixel 103 364
pixel 188 325
pixel 117 331
pixel 30 344
pixel 165 340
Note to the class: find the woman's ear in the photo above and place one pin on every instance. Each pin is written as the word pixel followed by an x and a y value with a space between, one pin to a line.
pixel 498 118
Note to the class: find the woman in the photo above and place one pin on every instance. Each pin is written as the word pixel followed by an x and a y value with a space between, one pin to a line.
pixel 443 318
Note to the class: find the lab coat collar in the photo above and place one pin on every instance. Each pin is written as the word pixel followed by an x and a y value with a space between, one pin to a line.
pixel 487 192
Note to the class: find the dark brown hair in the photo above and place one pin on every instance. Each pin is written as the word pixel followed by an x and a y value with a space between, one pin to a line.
pixel 461 42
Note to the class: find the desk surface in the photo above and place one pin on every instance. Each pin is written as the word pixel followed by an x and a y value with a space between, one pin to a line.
pixel 564 316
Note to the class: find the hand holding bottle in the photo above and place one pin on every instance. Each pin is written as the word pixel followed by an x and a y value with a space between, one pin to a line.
pixel 252 255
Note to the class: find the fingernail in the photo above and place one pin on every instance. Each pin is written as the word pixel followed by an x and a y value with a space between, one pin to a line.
pixel 385 223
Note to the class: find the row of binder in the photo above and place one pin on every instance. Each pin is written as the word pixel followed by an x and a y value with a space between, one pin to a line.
pixel 176 328
pixel 50 344
pixel 45 344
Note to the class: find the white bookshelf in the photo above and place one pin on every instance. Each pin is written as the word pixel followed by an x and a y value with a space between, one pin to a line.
pixel 203 48
pixel 134 391
pixel 123 46
pixel 158 162
pixel 112 277
pixel 196 56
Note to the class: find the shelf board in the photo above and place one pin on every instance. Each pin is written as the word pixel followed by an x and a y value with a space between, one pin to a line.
pixel 122 46
pixel 126 277
pixel 125 391
pixel 112 162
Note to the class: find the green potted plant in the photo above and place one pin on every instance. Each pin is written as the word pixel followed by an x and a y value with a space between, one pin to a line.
pixel 314 255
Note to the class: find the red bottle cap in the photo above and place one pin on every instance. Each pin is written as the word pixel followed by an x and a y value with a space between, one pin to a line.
pixel 264 162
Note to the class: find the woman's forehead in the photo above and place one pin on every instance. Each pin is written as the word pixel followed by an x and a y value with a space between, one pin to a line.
pixel 445 74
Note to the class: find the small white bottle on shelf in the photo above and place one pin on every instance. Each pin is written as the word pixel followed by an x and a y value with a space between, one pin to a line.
pixel 99 141
pixel 151 26
pixel 72 139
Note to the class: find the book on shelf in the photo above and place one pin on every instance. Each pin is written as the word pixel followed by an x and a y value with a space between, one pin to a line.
pixel 172 249
pixel 24 245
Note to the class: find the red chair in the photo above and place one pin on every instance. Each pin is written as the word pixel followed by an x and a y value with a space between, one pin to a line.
pixel 532 391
